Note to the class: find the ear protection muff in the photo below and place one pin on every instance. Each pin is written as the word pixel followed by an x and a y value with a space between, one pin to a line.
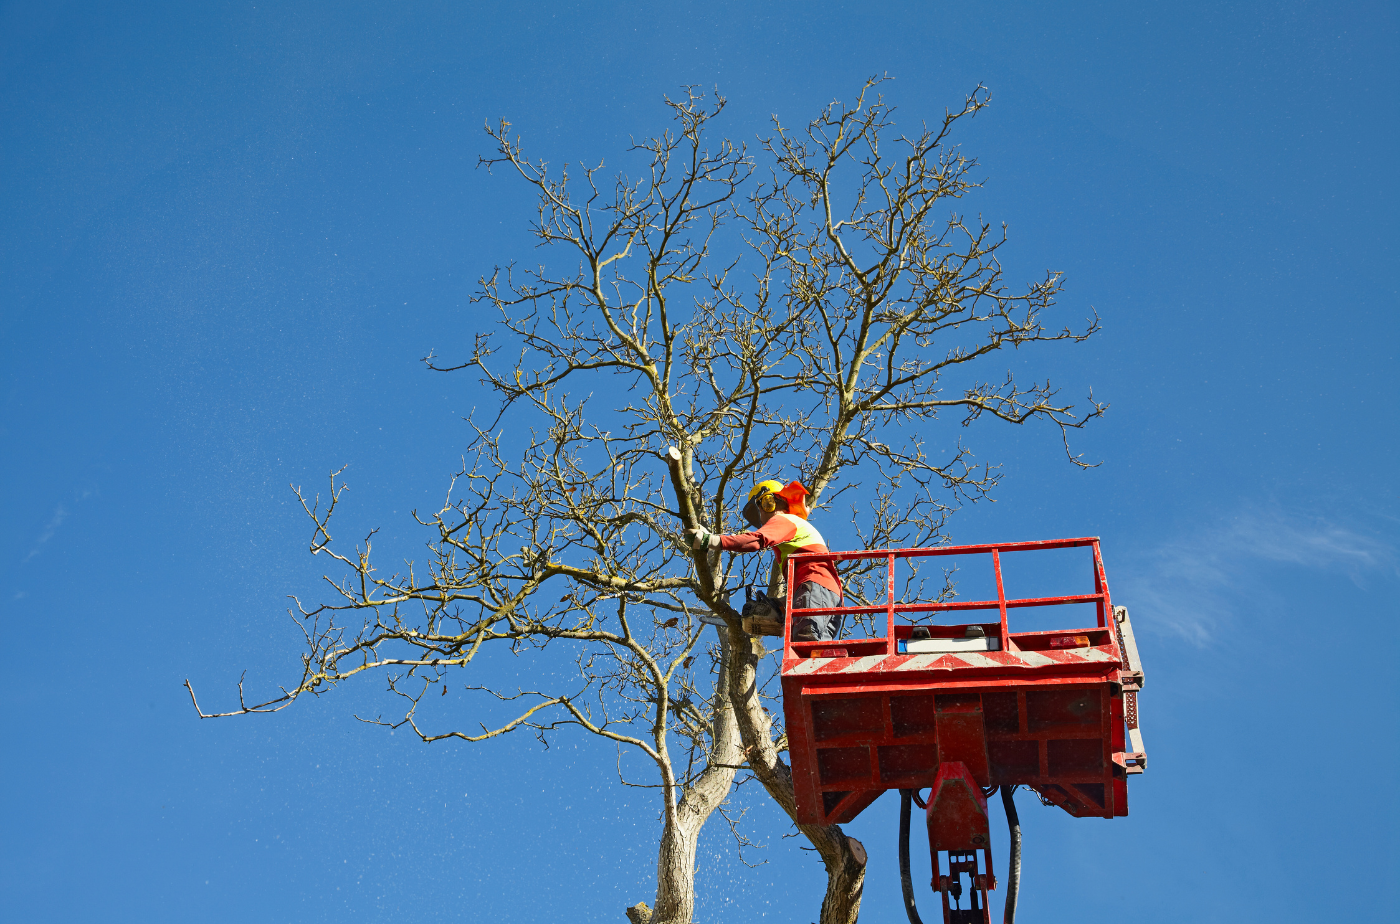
pixel 767 502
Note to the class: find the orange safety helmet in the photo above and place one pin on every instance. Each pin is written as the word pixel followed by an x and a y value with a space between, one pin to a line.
pixel 762 494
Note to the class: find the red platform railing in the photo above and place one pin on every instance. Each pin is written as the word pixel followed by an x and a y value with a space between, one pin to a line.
pixel 889 643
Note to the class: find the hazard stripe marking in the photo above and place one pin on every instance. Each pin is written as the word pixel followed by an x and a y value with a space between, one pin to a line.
pixel 973 659
pixel 866 663
pixel 1021 660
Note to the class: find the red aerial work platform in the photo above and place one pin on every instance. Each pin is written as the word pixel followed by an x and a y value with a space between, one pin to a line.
pixel 964 707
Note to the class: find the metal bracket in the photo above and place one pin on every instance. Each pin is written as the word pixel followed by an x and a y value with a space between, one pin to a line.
pixel 1132 680
pixel 1127 642
pixel 1129 762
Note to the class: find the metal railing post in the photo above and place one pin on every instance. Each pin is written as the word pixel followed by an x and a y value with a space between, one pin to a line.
pixel 1001 601
pixel 1100 585
pixel 891 647
pixel 789 620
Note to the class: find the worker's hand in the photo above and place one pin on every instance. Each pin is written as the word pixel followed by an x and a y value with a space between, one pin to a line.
pixel 699 539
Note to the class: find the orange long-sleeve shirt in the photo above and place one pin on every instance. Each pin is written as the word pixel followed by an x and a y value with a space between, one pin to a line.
pixel 788 534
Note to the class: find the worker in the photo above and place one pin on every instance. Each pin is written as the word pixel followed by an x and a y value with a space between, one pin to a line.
pixel 780 516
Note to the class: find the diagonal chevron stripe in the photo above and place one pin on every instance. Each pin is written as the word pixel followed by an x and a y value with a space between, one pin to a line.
pixel 1022 660
pixel 866 663
pixel 973 659
pixel 918 662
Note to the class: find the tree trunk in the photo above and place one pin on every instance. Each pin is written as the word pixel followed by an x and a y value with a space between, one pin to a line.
pixel 844 857
pixel 675 875
pixel 675 859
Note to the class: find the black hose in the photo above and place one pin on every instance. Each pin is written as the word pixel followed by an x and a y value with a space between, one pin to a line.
pixel 906 882
pixel 1013 863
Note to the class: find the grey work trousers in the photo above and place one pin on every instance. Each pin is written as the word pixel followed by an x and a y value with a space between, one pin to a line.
pixel 816 627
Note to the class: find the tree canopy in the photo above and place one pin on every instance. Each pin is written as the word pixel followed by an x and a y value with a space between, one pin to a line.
pixel 813 304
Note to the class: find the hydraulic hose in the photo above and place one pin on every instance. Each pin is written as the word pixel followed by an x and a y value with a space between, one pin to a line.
pixel 906 882
pixel 1013 864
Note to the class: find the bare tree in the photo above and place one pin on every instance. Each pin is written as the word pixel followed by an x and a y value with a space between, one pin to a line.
pixel 800 309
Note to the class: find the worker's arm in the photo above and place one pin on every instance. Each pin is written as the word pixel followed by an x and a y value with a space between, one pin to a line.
pixel 775 532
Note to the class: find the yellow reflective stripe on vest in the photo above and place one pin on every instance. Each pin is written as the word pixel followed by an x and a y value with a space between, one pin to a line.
pixel 805 537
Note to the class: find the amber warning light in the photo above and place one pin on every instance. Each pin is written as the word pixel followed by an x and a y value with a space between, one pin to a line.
pixel 1069 641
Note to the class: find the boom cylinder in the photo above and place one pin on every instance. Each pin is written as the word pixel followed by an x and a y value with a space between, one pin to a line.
pixel 958 828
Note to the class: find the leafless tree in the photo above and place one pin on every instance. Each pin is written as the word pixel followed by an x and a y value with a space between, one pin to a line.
pixel 815 307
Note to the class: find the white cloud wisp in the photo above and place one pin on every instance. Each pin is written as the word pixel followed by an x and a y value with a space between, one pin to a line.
pixel 1189 586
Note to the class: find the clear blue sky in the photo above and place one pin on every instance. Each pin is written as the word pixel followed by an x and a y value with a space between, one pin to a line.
pixel 231 229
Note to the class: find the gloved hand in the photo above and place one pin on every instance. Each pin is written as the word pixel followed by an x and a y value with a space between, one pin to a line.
pixel 700 539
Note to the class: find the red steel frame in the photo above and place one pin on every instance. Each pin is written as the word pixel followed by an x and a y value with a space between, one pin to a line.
pixel 1023 714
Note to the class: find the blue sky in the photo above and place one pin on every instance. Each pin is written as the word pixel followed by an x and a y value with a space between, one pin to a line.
pixel 231 230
